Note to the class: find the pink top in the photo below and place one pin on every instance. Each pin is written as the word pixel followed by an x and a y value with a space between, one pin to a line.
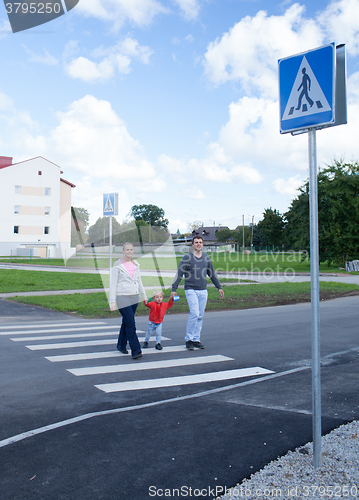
pixel 129 266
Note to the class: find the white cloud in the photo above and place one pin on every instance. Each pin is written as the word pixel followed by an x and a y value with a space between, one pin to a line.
pixel 289 186
pixel 95 141
pixel 44 58
pixel 216 167
pixel 251 135
pixel 340 21
pixel 248 53
pixel 5 28
pixel 88 71
pixel 190 8
pixel 193 193
pixel 71 48
pixel 114 58
pixel 138 12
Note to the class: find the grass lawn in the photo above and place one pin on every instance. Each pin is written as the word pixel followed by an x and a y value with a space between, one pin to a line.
pixel 227 262
pixel 13 280
pixel 95 305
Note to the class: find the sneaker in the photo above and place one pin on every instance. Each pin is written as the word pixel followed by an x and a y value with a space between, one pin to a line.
pixel 198 345
pixel 145 344
pixel 189 345
pixel 136 356
pixel 159 347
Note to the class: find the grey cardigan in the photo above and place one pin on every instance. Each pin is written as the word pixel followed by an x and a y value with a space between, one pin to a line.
pixel 123 284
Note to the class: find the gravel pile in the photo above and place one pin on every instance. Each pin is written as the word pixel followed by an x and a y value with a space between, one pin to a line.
pixel 294 476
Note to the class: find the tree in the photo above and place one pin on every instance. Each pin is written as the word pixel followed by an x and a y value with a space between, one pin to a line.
pixel 338 213
pixel 193 226
pixel 271 228
pixel 151 214
pixel 224 234
pixel 238 236
pixel 99 232
pixel 79 222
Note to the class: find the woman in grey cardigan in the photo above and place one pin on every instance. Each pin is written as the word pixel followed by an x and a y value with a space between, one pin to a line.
pixel 126 285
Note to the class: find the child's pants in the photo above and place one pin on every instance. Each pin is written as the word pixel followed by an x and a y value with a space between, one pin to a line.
pixel 153 328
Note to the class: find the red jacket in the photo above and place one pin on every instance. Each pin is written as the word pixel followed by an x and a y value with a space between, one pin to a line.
pixel 158 311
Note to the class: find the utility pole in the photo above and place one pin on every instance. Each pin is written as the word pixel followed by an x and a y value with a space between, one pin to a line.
pixel 243 236
pixel 252 232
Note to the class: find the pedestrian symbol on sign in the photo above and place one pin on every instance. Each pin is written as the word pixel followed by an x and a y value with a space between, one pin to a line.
pixel 308 87
pixel 108 206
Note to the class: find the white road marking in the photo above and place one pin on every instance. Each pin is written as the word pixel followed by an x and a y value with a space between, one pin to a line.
pixel 49 325
pixel 56 330
pixel 68 345
pixel 110 354
pixel 149 365
pixel 185 380
pixel 87 416
pixel 71 336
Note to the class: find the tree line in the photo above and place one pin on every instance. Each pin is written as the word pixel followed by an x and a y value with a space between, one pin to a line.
pixel 338 216
pixel 144 224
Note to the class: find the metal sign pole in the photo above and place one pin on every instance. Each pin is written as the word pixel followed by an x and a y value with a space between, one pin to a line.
pixel 314 273
pixel 110 250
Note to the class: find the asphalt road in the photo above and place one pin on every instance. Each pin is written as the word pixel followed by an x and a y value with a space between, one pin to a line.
pixel 64 437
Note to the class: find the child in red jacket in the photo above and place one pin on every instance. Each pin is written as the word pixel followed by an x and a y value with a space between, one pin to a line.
pixel 158 310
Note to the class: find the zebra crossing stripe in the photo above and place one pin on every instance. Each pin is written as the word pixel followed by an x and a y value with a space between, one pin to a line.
pixel 110 354
pixel 47 325
pixel 185 380
pixel 56 330
pixel 86 343
pixel 71 336
pixel 149 365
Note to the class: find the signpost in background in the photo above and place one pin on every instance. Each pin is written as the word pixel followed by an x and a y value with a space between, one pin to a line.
pixel 110 208
pixel 312 95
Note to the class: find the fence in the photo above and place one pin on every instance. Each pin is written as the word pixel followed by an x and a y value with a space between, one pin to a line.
pixel 352 266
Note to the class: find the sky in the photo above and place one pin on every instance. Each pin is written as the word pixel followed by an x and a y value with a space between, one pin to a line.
pixel 173 102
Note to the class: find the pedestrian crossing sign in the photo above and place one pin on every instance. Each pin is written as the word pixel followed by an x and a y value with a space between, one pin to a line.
pixel 110 204
pixel 307 89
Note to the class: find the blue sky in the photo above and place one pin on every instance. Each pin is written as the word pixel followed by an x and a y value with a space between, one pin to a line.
pixel 172 102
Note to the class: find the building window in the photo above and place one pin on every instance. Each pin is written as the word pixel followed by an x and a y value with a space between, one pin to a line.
pixel 47 210
pixel 17 189
pixel 16 229
pixel 17 209
pixel 46 230
pixel 39 172
pixel 47 191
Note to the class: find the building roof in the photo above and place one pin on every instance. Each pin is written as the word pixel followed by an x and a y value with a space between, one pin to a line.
pixel 6 161
pixel 208 233
pixel 67 182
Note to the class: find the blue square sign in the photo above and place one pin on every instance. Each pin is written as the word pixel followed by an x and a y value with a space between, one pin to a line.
pixel 307 89
pixel 110 204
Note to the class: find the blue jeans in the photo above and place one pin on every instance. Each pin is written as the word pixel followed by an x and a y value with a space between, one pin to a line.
pixel 154 328
pixel 197 300
pixel 127 308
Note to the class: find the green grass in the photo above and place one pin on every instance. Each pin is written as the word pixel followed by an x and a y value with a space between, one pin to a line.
pixel 96 305
pixel 13 280
pixel 227 262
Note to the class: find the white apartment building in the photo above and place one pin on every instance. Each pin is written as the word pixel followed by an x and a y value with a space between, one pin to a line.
pixel 35 209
